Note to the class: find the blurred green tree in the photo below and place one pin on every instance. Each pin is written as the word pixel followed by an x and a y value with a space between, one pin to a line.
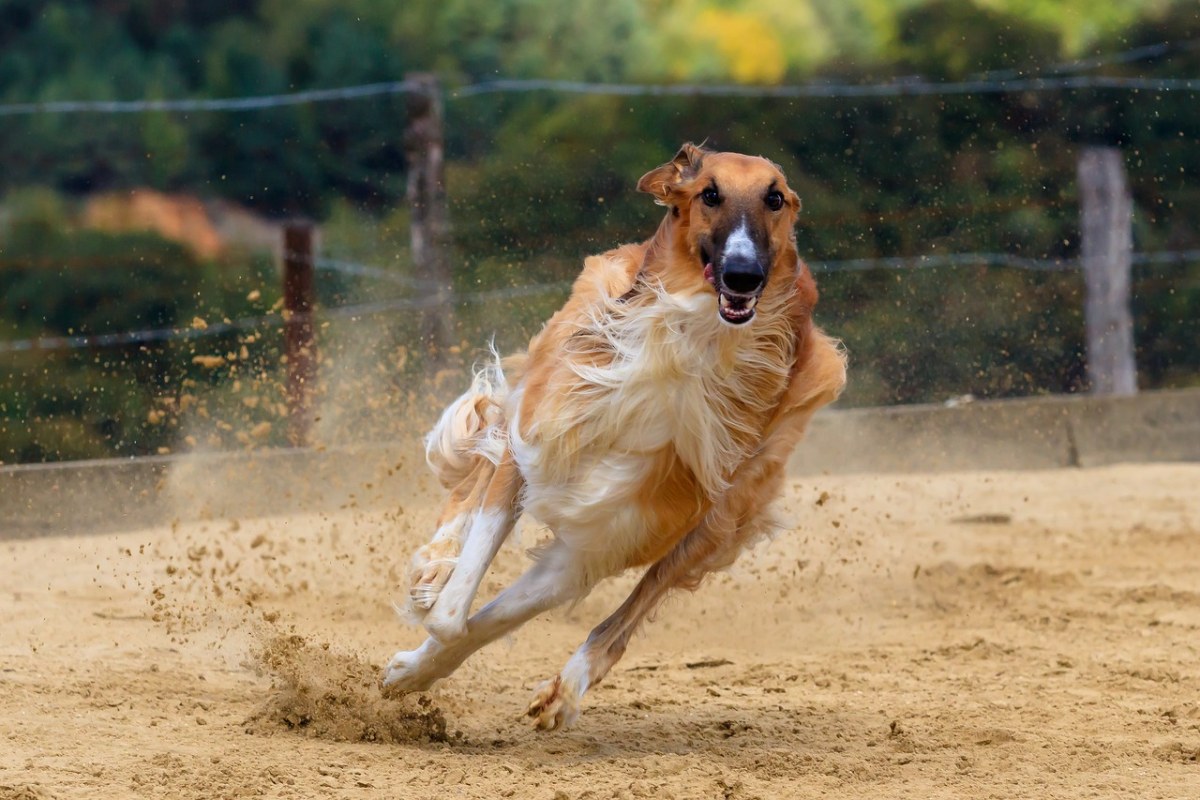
pixel 539 178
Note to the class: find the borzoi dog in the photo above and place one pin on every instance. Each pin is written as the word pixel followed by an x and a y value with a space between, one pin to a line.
pixel 648 423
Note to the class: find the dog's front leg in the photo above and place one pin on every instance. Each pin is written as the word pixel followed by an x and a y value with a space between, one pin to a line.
pixel 554 579
pixel 433 563
pixel 490 524
pixel 556 702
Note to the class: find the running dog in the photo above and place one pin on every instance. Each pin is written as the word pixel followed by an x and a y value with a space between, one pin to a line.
pixel 648 424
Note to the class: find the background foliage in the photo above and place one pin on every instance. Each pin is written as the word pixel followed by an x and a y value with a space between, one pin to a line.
pixel 537 179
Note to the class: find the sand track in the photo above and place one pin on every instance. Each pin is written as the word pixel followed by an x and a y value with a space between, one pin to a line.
pixel 1032 634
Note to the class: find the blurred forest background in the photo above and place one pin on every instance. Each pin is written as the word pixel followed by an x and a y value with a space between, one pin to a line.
pixel 538 179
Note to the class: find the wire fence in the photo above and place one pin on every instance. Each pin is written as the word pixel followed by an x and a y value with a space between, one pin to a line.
pixel 915 86
pixel 428 304
pixel 1019 312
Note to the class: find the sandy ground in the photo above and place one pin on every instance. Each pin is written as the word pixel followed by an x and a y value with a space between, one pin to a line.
pixel 1008 635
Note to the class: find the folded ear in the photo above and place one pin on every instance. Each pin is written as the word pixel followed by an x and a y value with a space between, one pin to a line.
pixel 662 181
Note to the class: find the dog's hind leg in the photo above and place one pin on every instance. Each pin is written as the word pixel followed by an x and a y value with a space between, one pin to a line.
pixel 738 517
pixel 711 545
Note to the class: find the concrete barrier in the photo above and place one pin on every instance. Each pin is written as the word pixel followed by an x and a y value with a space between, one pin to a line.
pixel 121 495
pixel 1029 433
pixel 1037 433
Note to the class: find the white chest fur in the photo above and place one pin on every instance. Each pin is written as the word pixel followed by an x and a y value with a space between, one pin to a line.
pixel 636 380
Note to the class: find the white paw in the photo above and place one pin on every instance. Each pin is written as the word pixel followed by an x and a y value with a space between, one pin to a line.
pixel 406 671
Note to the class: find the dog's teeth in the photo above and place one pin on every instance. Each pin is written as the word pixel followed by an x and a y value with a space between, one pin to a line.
pixel 751 303
pixel 724 301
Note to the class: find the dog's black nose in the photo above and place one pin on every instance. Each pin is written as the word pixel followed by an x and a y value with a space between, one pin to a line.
pixel 742 275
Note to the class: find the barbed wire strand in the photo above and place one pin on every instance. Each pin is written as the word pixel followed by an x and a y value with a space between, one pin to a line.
pixel 901 88
pixel 942 260
pixel 252 103
pixel 367 271
pixel 127 338
pixel 896 88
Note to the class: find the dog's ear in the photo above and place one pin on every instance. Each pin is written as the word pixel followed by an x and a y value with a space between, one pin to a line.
pixel 662 181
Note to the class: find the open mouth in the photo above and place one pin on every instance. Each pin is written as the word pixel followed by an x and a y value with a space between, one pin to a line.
pixel 733 307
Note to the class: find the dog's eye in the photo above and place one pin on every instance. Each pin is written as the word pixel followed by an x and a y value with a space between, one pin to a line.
pixel 774 200
pixel 710 197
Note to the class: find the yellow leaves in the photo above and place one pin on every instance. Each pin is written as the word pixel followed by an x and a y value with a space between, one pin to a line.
pixel 751 51
pixel 760 42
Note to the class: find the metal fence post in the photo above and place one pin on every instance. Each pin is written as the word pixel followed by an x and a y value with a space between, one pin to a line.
pixel 299 343
pixel 1106 232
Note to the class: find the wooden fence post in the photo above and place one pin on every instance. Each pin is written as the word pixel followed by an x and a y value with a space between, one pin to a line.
pixel 1106 232
pixel 424 147
pixel 299 342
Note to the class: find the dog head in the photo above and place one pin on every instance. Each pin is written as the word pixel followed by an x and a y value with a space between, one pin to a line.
pixel 736 214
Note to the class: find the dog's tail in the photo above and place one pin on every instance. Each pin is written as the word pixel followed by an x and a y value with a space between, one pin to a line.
pixel 472 427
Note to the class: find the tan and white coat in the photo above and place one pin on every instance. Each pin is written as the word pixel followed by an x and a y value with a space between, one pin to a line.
pixel 647 424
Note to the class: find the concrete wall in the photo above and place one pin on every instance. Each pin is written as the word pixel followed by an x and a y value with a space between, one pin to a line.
pixel 1039 433
pixel 1033 433
pixel 110 495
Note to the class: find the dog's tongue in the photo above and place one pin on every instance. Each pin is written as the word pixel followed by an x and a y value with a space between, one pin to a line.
pixel 708 274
